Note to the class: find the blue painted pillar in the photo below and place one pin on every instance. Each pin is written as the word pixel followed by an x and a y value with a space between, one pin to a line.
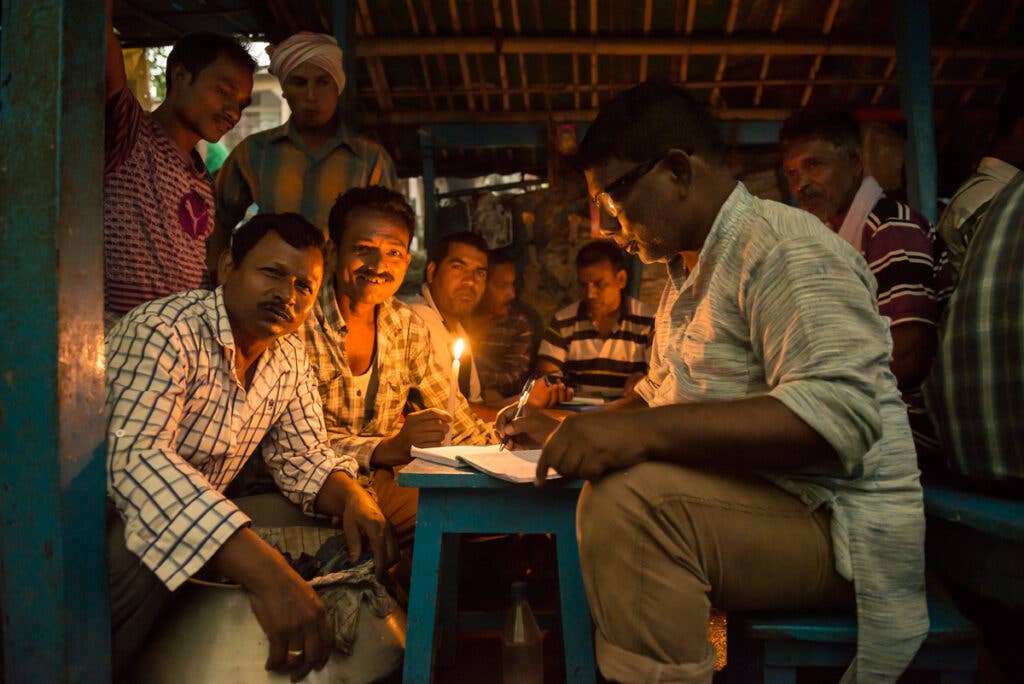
pixel 912 29
pixel 429 193
pixel 53 574
pixel 344 33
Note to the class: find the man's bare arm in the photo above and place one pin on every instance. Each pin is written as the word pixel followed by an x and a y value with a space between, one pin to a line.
pixel 116 78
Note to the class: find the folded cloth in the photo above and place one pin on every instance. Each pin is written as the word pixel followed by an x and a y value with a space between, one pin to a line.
pixel 343 586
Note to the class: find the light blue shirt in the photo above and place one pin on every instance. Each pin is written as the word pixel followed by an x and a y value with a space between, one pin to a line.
pixel 779 305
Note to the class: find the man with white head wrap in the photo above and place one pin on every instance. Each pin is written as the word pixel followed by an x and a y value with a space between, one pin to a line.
pixel 303 165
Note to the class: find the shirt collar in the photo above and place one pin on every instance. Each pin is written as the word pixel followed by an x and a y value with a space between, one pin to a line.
pixel 997 168
pixel 342 136
pixel 329 314
pixel 222 324
pixel 459 330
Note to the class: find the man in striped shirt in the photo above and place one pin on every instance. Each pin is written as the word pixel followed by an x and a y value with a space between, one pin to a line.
pixel 157 194
pixel 195 382
pixel 821 159
pixel 602 343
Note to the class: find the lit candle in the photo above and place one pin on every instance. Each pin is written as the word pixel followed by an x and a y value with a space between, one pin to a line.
pixel 456 353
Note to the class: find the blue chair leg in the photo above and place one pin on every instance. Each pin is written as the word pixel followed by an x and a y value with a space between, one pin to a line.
pixel 775 674
pixel 577 633
pixel 426 560
pixel 448 601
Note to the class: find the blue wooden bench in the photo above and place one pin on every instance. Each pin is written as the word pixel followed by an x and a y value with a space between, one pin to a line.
pixel 769 647
pixel 976 541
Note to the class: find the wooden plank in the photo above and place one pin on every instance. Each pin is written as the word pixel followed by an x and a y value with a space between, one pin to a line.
pixel 585 45
pixel 575 58
pixel 767 60
pixel 545 76
pixel 691 14
pixel 453 12
pixel 53 577
pixel 826 29
pixel 648 10
pixel 442 68
pixel 518 28
pixel 1001 32
pixel 375 65
pixel 594 21
pixel 502 67
pixel 730 26
pixel 410 8
pixel 474 27
pixel 961 24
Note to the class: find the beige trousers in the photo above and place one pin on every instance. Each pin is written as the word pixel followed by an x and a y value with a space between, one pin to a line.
pixel 660 544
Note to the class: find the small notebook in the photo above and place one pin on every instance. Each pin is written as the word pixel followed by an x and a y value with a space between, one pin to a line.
pixel 512 466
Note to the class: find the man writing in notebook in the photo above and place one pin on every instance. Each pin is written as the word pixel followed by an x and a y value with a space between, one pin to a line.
pixel 369 350
pixel 768 427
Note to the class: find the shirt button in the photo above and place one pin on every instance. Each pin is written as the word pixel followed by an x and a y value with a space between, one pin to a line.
pixel 119 433
pixel 359 393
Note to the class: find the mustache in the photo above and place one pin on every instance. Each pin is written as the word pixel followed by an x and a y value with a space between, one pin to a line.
pixel 279 310
pixel 369 273
pixel 808 194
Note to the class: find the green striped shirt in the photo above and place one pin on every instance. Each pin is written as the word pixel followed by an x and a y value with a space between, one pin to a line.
pixel 274 170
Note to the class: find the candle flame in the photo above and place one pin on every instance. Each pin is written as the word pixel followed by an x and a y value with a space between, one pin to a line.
pixel 457 348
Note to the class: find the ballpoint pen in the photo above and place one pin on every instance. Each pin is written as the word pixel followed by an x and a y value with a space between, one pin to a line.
pixel 523 396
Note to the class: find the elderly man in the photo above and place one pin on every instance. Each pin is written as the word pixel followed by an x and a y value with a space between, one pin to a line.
pixel 157 195
pixel 195 382
pixel 456 278
pixel 304 164
pixel 821 160
pixel 766 461
pixel 369 351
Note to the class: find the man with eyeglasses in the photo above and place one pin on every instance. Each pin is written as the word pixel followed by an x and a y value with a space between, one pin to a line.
pixel 765 461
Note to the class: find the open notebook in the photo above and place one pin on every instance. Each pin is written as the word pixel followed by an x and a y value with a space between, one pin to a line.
pixel 513 466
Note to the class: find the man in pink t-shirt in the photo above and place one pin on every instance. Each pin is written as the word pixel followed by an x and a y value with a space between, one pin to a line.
pixel 157 195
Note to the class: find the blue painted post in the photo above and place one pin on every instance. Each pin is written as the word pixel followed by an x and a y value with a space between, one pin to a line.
pixel 53 577
pixel 912 29
pixel 429 193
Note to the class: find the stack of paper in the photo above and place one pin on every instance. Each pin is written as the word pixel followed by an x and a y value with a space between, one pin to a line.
pixel 512 466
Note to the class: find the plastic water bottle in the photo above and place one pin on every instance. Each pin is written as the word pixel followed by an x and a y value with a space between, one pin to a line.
pixel 522 657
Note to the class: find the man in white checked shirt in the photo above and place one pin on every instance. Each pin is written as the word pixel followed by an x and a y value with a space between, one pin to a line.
pixel 766 461
pixel 195 382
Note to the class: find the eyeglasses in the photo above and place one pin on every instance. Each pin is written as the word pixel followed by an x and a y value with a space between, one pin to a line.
pixel 606 199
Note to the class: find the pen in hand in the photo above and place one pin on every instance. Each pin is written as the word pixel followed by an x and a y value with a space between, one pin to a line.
pixel 523 396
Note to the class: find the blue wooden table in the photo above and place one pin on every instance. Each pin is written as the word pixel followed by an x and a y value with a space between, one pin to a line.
pixel 455 501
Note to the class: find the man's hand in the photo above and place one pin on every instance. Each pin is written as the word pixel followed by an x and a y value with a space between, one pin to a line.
pixel 526 432
pixel 547 393
pixel 425 428
pixel 591 444
pixel 285 605
pixel 631 382
pixel 353 510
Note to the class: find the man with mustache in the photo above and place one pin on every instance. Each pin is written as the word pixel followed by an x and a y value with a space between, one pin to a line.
pixel 305 163
pixel 195 382
pixel 456 278
pixel 821 159
pixel 369 351
pixel 765 462
pixel 157 195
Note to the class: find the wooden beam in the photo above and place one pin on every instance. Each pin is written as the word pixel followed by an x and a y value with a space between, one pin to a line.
pixel 442 68
pixel 518 28
pixel 545 76
pixel 691 14
pixel 570 115
pixel 648 10
pixel 1004 27
pixel 375 65
pixel 730 26
pixel 502 67
pixel 961 24
pixel 453 12
pixel 594 22
pixel 575 58
pixel 568 45
pixel 826 29
pixel 767 60
pixel 410 8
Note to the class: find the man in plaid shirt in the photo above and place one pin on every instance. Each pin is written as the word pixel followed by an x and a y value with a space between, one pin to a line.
pixel 195 382
pixel 370 351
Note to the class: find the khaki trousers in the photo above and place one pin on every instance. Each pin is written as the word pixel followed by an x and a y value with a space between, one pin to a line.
pixel 660 544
